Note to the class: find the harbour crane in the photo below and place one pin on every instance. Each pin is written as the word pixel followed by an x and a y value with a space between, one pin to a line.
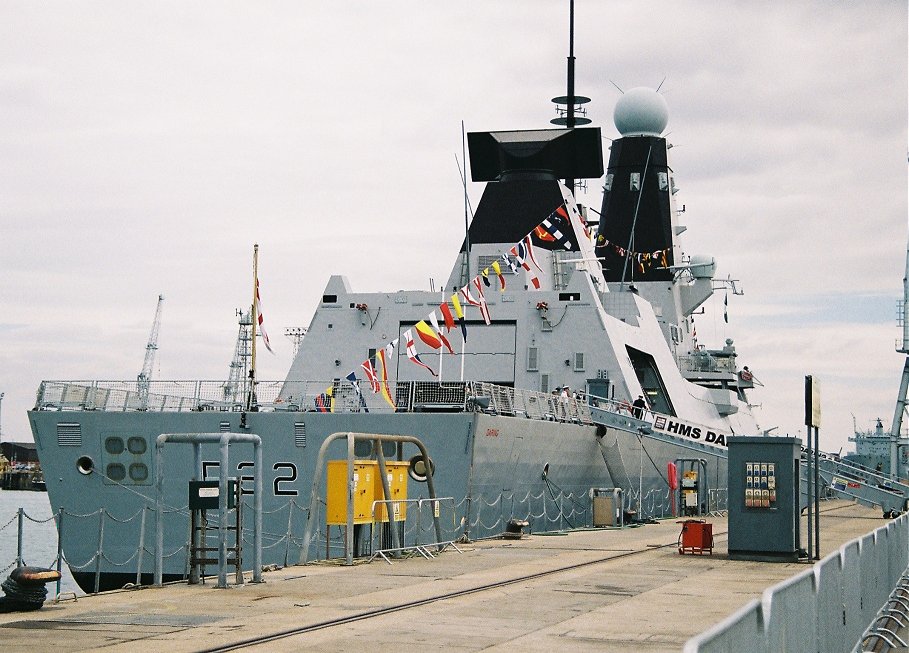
pixel 144 377
pixel 236 387
pixel 901 399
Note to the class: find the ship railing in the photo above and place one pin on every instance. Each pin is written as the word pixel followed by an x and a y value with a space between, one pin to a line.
pixel 503 400
pixel 163 396
pixel 336 395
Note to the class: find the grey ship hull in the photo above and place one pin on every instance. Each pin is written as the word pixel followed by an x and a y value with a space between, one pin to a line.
pixel 477 456
pixel 491 466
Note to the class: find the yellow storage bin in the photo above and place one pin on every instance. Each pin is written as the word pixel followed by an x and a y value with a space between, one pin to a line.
pixel 366 474
pixel 397 485
pixel 367 489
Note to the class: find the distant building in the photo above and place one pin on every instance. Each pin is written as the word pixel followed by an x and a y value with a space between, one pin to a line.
pixel 21 452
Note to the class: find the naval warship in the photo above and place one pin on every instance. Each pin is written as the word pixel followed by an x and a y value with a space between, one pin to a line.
pixel 559 360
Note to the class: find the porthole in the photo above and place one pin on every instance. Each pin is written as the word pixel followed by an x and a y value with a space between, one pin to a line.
pixel 113 446
pixel 417 469
pixel 136 446
pixel 115 472
pixel 85 465
pixel 138 472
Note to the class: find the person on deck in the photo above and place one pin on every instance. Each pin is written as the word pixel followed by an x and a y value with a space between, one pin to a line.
pixel 639 407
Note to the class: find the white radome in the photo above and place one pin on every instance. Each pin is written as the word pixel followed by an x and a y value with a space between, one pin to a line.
pixel 641 112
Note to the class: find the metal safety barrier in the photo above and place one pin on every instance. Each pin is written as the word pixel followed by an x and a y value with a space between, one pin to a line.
pixel 827 607
pixel 410 507
pixel 125 543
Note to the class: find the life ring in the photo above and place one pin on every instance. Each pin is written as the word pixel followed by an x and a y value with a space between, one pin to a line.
pixel 745 375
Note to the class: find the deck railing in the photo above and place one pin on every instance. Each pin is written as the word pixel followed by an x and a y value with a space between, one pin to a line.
pixel 339 396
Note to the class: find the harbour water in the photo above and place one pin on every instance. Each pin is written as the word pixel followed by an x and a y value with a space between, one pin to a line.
pixel 39 535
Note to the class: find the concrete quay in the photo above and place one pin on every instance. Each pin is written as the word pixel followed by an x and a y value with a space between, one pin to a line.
pixel 618 590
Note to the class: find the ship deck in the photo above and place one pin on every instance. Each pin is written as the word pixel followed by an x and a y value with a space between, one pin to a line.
pixel 586 590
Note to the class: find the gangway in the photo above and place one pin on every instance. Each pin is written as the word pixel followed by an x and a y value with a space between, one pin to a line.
pixel 865 486
pixel 843 479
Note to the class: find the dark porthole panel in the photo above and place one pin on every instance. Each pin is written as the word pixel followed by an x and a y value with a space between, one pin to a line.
pixel 137 446
pixel 113 446
pixel 115 472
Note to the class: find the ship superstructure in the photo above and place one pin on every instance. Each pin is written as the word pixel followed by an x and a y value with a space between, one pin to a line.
pixel 586 311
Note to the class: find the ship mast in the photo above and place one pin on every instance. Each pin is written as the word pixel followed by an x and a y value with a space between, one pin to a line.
pixel 567 116
pixel 251 394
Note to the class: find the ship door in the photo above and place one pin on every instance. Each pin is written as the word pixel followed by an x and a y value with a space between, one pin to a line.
pixel 652 383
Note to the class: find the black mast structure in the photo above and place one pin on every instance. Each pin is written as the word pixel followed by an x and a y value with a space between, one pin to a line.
pixel 567 116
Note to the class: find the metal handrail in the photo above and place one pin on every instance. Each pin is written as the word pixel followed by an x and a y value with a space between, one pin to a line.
pixel 313 396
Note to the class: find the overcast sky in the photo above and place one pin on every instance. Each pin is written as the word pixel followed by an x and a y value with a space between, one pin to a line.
pixel 144 148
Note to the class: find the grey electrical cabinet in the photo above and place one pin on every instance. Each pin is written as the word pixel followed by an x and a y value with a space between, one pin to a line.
pixel 764 498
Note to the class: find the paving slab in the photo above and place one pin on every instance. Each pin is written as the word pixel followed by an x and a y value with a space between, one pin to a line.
pixel 610 590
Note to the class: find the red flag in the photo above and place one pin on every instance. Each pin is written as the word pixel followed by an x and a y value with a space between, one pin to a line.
pixel 498 271
pixel 261 319
pixel 371 374
pixel 449 318
pixel 465 293
pixel 412 351
pixel 519 251
pixel 435 325
pixel 427 335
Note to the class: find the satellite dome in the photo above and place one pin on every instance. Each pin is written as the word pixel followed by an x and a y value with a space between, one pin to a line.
pixel 641 112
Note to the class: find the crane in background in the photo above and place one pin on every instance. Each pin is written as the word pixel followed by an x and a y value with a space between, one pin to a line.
pixel 237 384
pixel 902 347
pixel 144 377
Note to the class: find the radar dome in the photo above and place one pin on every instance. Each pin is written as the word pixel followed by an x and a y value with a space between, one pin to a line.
pixel 641 112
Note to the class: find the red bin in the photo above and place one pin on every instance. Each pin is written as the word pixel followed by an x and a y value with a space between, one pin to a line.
pixel 696 537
